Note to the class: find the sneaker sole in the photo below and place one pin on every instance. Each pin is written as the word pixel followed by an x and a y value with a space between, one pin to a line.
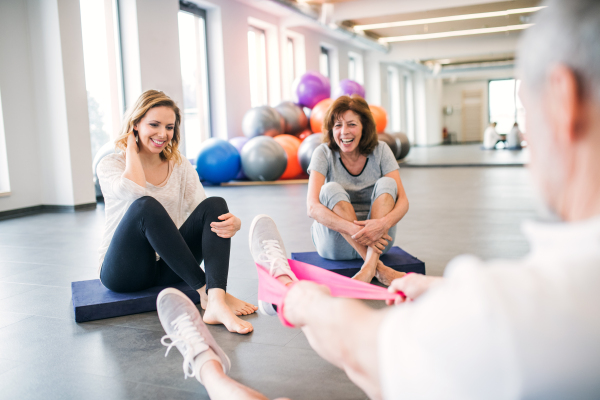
pixel 266 308
pixel 220 353
pixel 254 221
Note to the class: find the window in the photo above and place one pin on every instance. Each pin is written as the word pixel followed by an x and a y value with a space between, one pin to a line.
pixel 4 182
pixel 291 58
pixel 409 107
pixel 194 75
pixel 394 98
pixel 324 62
pixel 355 67
pixel 504 105
pixel 294 64
pixel 352 68
pixel 103 81
pixel 257 54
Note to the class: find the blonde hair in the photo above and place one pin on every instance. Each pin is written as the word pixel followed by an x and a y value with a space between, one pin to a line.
pixel 147 100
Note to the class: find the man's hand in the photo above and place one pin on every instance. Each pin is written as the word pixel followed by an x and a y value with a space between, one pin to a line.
pixel 228 227
pixel 412 285
pixel 372 230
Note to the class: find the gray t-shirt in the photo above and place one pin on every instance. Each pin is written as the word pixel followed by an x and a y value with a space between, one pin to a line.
pixel 360 187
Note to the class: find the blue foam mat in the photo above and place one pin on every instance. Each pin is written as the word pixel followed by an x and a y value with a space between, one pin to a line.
pixel 92 301
pixel 395 258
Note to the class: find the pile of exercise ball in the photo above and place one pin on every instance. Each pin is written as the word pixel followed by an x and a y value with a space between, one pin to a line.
pixel 278 142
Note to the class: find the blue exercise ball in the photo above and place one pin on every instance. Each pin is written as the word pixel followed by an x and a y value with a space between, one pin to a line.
pixel 218 161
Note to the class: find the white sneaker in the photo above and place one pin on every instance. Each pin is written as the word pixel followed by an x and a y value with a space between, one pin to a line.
pixel 266 246
pixel 185 329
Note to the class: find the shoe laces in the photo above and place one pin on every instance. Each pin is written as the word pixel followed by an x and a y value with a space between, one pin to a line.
pixel 273 255
pixel 186 333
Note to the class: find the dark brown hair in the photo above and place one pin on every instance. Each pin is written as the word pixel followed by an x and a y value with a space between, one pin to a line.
pixel 368 140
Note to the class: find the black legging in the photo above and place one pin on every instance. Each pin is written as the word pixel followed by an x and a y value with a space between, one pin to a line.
pixel 130 263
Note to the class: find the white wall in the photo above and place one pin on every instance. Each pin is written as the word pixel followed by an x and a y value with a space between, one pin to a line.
pixel 45 104
pixel 16 85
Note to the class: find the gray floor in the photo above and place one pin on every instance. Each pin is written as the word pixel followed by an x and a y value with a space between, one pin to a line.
pixel 470 155
pixel 44 354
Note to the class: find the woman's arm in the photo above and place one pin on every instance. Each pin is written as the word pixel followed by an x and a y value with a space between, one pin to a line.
pixel 322 214
pixel 374 229
pixel 133 166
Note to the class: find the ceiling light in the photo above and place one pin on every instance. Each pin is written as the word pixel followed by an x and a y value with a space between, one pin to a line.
pixel 425 36
pixel 448 18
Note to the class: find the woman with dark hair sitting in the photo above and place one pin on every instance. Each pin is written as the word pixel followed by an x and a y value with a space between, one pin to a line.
pixel 355 194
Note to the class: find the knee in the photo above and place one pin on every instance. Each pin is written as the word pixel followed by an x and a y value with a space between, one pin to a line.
pixel 216 204
pixel 146 204
pixel 332 193
pixel 385 185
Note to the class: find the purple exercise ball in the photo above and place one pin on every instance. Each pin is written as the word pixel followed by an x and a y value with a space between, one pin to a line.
pixel 311 88
pixel 238 142
pixel 349 87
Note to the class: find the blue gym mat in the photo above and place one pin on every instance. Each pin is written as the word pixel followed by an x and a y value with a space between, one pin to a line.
pixel 396 259
pixel 92 301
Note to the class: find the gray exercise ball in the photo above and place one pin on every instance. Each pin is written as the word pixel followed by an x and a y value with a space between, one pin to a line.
pixel 295 119
pixel 391 141
pixel 263 159
pixel 108 148
pixel 403 144
pixel 263 120
pixel 306 149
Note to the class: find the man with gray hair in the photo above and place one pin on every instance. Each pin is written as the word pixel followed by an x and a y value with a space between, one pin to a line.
pixel 527 329
pixel 500 329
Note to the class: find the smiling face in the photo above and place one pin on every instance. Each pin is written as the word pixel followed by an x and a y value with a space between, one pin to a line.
pixel 155 130
pixel 347 132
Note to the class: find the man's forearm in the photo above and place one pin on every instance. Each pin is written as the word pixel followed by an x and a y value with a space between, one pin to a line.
pixel 342 331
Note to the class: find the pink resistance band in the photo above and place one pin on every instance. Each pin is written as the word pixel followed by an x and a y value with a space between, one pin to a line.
pixel 272 291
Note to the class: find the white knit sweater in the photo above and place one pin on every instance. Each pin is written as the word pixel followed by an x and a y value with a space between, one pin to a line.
pixel 179 195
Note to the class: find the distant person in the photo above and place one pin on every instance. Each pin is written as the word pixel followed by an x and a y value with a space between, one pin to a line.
pixel 490 137
pixel 514 138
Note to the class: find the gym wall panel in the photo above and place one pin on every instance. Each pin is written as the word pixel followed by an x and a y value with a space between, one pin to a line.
pixel 16 84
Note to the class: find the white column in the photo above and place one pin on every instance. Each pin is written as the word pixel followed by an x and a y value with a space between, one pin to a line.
pixel 61 102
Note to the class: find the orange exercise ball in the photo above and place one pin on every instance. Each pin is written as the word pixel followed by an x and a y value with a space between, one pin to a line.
pixel 318 115
pixel 380 117
pixel 290 144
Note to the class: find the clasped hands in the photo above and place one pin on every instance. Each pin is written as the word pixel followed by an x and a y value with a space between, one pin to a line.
pixel 228 226
pixel 372 233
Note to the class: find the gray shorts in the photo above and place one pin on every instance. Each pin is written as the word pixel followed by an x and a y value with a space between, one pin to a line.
pixel 331 244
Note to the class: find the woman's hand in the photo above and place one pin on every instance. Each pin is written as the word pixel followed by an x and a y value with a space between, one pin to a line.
pixel 379 245
pixel 228 226
pixel 131 143
pixel 372 231
pixel 412 286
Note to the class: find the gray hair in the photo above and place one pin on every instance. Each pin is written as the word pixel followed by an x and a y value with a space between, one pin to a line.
pixel 567 32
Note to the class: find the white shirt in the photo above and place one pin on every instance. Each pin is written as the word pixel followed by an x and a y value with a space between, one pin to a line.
pixel 490 137
pixel 527 329
pixel 179 195
pixel 513 139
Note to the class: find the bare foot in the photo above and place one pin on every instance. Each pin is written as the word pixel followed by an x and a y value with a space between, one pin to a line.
pixel 220 313
pixel 237 306
pixel 386 275
pixel 366 274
